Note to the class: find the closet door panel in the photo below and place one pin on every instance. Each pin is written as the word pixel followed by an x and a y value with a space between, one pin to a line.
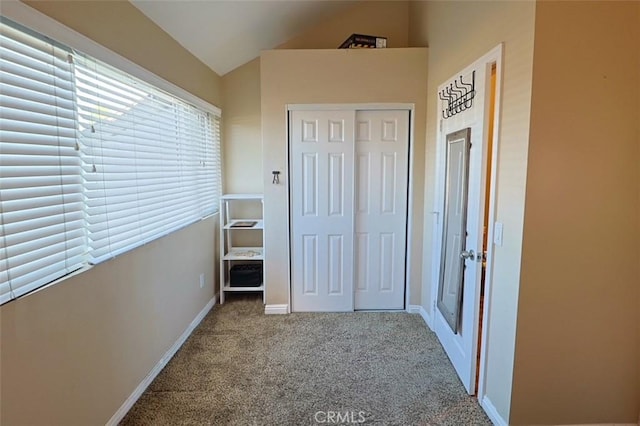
pixel 322 210
pixel 382 151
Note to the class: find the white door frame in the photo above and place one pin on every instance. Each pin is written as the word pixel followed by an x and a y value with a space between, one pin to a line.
pixel 360 106
pixel 494 56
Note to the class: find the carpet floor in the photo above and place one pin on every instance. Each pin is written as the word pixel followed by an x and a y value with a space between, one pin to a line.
pixel 241 367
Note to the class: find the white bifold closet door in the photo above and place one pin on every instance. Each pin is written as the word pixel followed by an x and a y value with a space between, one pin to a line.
pixel 348 209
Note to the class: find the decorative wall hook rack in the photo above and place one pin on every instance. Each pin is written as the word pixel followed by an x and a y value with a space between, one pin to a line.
pixel 458 96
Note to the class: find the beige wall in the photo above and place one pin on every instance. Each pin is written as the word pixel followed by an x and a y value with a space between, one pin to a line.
pixel 72 353
pixel 577 351
pixel 242 150
pixel 332 76
pixel 457 34
pixel 241 87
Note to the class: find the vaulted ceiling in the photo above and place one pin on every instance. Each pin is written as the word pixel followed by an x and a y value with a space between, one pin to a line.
pixel 225 34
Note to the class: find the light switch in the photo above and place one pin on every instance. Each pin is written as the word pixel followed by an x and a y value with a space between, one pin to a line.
pixel 497 233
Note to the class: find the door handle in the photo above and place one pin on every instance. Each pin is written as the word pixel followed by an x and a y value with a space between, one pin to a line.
pixel 468 255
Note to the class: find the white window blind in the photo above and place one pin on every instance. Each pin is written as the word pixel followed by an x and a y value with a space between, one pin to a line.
pixel 150 161
pixel 93 162
pixel 41 205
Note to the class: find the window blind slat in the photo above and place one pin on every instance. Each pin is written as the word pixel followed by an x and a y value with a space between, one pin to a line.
pixel 11 218
pixel 19 171
pixel 42 222
pixel 28 105
pixel 44 270
pixel 30 44
pixel 10 92
pixel 38 161
pixel 24 205
pixel 56 87
pixel 35 181
pixel 31 58
pixel 55 117
pixel 10 148
pixel 24 253
pixel 43 74
pixel 39 129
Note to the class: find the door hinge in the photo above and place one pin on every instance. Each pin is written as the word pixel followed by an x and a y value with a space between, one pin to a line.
pixel 441 121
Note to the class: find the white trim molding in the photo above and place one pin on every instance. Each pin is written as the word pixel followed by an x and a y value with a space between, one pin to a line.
pixel 352 106
pixel 492 412
pixel 495 56
pixel 276 309
pixel 417 309
pixel 144 384
pixel 373 106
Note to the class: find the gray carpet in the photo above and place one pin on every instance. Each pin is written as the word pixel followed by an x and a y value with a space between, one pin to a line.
pixel 241 367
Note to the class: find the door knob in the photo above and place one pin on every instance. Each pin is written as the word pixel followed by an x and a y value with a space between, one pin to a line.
pixel 468 255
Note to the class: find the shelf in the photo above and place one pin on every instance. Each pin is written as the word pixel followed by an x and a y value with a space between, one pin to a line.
pixel 242 197
pixel 231 255
pixel 259 224
pixel 244 253
pixel 228 288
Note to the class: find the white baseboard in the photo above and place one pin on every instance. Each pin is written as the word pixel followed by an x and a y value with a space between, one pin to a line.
pixel 491 411
pixel 276 309
pixel 139 390
pixel 417 309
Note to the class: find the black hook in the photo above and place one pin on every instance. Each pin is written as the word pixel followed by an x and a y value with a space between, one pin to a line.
pixel 458 95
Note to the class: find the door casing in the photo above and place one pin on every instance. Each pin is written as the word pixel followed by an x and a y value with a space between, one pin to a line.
pixel 410 217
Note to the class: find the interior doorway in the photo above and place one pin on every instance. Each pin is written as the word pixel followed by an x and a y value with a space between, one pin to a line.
pixel 469 102
pixel 487 208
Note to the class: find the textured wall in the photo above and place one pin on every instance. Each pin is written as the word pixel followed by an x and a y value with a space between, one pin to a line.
pixel 457 34
pixel 577 346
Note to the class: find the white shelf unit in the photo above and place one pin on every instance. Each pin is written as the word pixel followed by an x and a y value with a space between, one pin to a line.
pixel 231 254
